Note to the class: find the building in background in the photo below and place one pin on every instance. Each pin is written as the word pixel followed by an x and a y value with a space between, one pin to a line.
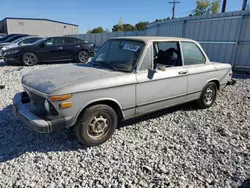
pixel 32 26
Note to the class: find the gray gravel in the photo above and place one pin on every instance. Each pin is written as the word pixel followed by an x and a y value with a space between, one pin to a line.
pixel 179 147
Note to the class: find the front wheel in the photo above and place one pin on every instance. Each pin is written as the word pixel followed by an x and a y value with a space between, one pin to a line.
pixel 96 125
pixel 29 59
pixel 83 56
pixel 208 95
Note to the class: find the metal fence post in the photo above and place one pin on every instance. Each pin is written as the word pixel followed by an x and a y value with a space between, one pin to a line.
pixel 157 30
pixel 183 28
pixel 237 40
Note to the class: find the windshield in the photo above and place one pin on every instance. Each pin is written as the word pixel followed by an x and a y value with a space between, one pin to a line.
pixel 6 37
pixel 18 40
pixel 119 55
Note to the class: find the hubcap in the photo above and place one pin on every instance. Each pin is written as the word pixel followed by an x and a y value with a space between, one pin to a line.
pixel 29 58
pixel 83 56
pixel 98 127
pixel 209 96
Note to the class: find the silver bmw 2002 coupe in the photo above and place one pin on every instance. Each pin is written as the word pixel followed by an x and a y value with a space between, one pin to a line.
pixel 128 77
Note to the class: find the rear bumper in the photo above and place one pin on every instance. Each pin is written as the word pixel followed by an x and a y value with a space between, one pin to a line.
pixel 231 82
pixel 34 122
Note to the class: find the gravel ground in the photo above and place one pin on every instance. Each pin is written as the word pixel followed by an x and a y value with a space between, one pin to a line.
pixel 178 147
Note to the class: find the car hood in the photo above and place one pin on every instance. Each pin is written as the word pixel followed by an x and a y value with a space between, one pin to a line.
pixel 75 78
pixel 7 46
pixel 4 44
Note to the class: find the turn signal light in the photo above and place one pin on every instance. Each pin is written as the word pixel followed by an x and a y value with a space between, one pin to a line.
pixel 66 105
pixel 60 97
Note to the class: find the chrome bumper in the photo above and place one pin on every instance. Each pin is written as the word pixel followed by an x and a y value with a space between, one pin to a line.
pixel 231 82
pixel 33 121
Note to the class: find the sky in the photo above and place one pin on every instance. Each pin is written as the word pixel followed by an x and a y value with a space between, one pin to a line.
pixel 89 14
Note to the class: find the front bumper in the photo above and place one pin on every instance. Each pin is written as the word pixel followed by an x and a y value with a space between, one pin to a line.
pixel 231 82
pixel 32 120
pixel 12 59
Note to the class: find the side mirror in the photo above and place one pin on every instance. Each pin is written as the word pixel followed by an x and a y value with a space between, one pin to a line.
pixel 151 73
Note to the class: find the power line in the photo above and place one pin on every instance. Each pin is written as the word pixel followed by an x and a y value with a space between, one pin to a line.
pixel 173 9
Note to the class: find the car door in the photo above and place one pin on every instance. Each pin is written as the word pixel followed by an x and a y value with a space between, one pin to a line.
pixel 52 50
pixel 199 68
pixel 156 89
pixel 71 46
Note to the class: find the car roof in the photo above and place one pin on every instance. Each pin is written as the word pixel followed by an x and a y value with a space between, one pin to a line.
pixel 147 39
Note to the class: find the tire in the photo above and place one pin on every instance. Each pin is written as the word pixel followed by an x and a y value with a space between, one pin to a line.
pixel 208 96
pixel 29 59
pixel 90 127
pixel 83 56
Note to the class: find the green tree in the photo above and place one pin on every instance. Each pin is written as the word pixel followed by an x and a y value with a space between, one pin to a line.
pixel 129 27
pixel 96 30
pixel 205 7
pixel 215 7
pixel 201 7
pixel 141 25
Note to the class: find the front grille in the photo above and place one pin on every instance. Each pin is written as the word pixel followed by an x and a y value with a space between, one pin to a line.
pixel 38 102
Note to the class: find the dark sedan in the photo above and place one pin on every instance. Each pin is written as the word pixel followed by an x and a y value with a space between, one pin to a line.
pixel 50 49
pixel 11 38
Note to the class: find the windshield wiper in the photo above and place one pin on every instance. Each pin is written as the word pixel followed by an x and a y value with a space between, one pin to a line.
pixel 110 65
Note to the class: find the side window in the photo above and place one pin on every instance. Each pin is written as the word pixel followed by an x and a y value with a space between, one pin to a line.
pixel 68 40
pixel 192 55
pixel 147 61
pixel 54 41
pixel 168 53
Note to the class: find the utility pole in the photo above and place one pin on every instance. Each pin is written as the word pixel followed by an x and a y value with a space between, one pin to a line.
pixel 244 5
pixel 224 6
pixel 173 9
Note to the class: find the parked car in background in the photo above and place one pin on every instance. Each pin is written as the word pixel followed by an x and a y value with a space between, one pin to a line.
pixel 6 37
pixel 11 38
pixel 128 77
pixel 50 49
pixel 19 42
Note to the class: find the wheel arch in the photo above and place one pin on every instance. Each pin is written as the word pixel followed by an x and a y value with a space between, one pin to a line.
pixel 216 81
pixel 107 101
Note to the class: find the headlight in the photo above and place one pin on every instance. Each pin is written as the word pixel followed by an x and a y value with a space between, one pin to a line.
pixel 11 52
pixel 47 106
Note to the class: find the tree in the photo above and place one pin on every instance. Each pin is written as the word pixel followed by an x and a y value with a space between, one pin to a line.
pixel 205 7
pixel 215 7
pixel 141 25
pixel 96 30
pixel 129 27
pixel 201 7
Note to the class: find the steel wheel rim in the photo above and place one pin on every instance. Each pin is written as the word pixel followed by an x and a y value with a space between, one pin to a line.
pixel 98 127
pixel 83 56
pixel 29 58
pixel 209 95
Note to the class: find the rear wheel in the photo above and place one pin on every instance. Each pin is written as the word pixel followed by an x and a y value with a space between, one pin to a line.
pixel 29 59
pixel 83 56
pixel 208 95
pixel 96 125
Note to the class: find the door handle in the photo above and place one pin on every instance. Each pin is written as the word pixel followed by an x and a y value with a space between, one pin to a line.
pixel 182 72
pixel 77 46
pixel 59 48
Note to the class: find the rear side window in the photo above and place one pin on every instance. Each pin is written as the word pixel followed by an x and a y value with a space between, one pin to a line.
pixel 192 55
pixel 68 40
pixel 54 41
